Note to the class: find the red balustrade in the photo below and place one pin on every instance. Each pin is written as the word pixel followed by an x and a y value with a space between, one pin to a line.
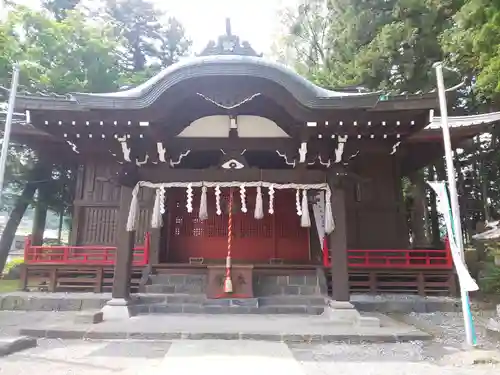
pixel 105 255
pixel 396 258
pixel 93 255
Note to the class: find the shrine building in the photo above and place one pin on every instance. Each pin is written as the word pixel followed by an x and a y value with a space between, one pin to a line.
pixel 227 175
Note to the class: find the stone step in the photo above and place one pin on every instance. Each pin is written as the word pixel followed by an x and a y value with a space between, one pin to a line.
pixel 186 288
pixel 292 300
pixel 177 308
pixel 178 279
pixel 177 298
pixel 232 302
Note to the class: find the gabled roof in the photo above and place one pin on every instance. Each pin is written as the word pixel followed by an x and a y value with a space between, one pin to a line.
pixel 228 57
pixel 305 92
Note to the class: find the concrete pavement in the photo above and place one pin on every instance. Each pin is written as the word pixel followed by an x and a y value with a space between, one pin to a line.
pixel 57 357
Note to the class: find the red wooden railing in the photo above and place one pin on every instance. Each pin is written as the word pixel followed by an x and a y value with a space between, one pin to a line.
pixel 93 255
pixel 105 255
pixel 402 259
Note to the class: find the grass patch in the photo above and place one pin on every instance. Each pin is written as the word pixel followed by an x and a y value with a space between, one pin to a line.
pixel 8 286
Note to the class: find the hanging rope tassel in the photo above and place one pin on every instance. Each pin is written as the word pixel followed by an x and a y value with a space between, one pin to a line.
pixel 203 212
pixel 218 210
pixel 189 198
pixel 329 222
pixel 243 199
pixel 297 202
pixel 305 220
pixel 271 199
pixel 259 209
pixel 228 284
pixel 156 217
pixel 134 211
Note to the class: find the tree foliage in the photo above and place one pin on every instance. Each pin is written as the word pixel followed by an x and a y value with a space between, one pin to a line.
pixel 62 50
pixel 473 46
pixel 387 44
pixel 392 45
pixel 150 39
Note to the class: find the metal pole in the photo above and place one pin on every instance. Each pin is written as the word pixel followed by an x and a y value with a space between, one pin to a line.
pixel 452 186
pixel 8 125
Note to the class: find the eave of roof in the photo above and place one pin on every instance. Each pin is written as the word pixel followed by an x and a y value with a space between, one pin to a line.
pixel 460 126
pixel 461 121
pixel 305 92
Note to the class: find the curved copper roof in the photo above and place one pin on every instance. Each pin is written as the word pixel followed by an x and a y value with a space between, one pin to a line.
pixel 305 92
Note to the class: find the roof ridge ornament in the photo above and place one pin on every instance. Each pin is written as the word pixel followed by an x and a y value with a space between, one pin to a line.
pixel 229 44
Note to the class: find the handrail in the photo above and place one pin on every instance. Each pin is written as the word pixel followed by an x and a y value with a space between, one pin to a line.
pixel 395 258
pixel 68 254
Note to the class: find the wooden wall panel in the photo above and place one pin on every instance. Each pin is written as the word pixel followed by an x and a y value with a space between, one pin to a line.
pixel 376 216
pixel 97 203
pixel 98 226
pixel 275 236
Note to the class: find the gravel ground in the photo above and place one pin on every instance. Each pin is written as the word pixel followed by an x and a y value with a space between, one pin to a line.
pixel 448 328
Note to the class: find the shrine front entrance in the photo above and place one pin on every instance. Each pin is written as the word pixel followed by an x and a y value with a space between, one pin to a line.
pixel 277 238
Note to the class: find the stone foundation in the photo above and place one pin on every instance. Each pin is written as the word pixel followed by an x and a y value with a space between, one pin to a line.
pixel 298 284
pixel 178 283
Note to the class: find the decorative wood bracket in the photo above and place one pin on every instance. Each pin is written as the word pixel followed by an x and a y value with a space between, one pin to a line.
pixel 179 159
pixel 233 160
pixel 285 157
pixel 303 152
pixel 161 152
pixel 125 147
pixel 395 148
pixel 339 150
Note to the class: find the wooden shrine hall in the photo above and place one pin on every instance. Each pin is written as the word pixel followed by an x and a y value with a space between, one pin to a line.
pixel 228 175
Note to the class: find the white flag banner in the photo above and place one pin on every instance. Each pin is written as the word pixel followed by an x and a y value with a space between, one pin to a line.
pixel 444 207
pixel 319 215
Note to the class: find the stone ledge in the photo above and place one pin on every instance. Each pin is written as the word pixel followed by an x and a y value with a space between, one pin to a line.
pixel 89 317
pixel 9 345
pixel 349 338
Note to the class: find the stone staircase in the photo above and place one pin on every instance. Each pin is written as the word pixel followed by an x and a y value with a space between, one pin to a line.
pixel 185 293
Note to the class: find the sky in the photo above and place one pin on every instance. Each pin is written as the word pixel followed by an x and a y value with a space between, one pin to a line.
pixel 253 20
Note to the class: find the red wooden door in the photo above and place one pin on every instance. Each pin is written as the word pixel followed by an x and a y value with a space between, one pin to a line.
pixel 254 241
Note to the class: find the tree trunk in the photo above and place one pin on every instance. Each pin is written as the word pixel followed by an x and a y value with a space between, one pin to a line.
pixel 17 213
pixel 419 210
pixel 59 229
pixel 438 175
pixel 40 217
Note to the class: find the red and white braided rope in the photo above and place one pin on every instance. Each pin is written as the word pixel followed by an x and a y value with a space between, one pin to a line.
pixel 229 235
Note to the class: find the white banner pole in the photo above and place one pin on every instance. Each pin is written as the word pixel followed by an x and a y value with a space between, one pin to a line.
pixel 8 126
pixel 455 208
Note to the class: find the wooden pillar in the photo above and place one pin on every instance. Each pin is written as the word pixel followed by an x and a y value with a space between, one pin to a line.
pixel 125 244
pixel 338 247
pixel 154 246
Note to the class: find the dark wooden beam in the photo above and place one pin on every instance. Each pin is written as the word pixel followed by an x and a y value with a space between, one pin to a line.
pixel 254 144
pixel 162 173
pixel 124 248
pixel 338 245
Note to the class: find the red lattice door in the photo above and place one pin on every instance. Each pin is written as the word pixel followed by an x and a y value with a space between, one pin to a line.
pixel 254 241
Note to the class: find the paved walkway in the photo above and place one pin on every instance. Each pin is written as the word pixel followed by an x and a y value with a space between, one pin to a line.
pixel 56 357
pixel 197 326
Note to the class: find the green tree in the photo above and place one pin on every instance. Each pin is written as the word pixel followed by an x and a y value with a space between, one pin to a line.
pixel 57 56
pixel 60 8
pixel 151 41
pixel 473 46
pixel 388 44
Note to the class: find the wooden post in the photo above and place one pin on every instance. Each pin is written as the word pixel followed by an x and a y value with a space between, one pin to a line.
pixel 125 244
pixel 338 247
pixel 154 246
